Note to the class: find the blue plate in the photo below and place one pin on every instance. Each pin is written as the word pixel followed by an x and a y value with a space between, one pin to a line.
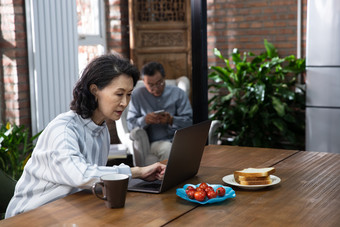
pixel 229 193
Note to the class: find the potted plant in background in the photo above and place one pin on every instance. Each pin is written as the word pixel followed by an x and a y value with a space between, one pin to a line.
pixel 16 147
pixel 257 99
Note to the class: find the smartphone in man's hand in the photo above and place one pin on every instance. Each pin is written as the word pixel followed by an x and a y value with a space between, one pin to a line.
pixel 159 112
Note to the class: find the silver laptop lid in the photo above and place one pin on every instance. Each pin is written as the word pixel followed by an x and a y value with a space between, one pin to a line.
pixel 186 154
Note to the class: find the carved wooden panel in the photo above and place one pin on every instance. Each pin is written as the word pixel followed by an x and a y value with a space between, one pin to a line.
pixel 162 39
pixel 160 11
pixel 160 30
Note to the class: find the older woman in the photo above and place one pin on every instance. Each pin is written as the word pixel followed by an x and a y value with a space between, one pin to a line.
pixel 71 153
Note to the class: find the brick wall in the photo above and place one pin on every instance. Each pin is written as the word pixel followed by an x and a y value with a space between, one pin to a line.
pixel 245 24
pixel 15 102
pixel 117 29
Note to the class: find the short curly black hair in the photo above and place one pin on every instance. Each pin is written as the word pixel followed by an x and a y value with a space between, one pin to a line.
pixel 100 71
pixel 151 68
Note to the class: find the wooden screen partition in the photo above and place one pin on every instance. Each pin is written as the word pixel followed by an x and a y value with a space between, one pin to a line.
pixel 160 30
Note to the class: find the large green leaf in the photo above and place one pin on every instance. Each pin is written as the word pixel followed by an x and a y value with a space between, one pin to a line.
pixel 218 54
pixel 279 123
pixel 222 74
pixel 253 110
pixel 271 50
pixel 236 56
pixel 278 106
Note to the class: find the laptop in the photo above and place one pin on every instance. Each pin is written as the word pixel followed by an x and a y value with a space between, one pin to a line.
pixel 184 160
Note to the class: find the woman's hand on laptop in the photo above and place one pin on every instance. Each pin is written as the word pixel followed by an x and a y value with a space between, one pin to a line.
pixel 149 173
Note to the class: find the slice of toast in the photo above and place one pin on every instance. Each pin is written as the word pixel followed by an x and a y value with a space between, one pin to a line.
pixel 243 178
pixel 257 182
pixel 255 172
pixel 254 176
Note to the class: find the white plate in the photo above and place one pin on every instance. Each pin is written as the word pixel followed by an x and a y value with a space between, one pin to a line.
pixel 229 179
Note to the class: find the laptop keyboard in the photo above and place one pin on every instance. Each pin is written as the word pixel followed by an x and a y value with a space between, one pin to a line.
pixel 152 184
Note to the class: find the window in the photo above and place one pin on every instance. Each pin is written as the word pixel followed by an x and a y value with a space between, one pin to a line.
pixel 91 31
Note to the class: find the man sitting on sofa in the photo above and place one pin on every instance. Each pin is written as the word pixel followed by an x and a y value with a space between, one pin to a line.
pixel 158 108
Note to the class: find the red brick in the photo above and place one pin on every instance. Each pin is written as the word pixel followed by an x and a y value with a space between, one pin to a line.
pixel 12 105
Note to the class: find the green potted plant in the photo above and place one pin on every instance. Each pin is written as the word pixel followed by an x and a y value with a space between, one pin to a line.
pixel 257 99
pixel 16 147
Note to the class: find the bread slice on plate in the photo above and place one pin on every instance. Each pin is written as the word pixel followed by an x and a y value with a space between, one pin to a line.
pixel 255 182
pixel 243 178
pixel 254 176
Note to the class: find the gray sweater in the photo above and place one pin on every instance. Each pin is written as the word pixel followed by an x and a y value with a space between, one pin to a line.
pixel 173 100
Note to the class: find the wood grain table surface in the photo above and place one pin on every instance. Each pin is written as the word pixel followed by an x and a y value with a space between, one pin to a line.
pixel 308 195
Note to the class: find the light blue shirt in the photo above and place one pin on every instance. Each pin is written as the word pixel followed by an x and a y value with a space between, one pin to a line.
pixel 173 100
pixel 70 155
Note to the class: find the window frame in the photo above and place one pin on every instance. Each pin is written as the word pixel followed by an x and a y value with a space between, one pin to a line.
pixel 92 40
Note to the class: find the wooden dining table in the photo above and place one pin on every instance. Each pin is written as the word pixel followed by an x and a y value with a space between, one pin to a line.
pixel 308 195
